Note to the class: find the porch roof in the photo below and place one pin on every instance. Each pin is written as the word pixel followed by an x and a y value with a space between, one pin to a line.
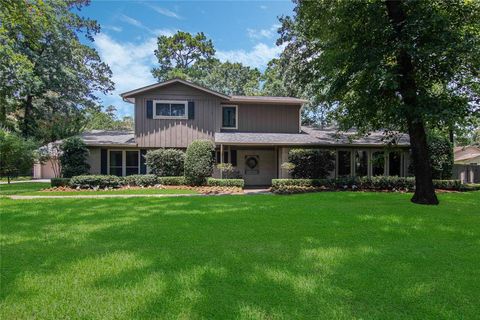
pixel 108 138
pixel 311 136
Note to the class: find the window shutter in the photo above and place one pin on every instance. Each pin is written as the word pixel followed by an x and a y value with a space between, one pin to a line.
pixel 143 166
pixel 191 110
pixel 149 109
pixel 233 157
pixel 103 161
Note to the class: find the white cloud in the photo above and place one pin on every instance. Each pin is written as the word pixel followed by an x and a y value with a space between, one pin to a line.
pixel 130 64
pixel 263 7
pixel 258 57
pixel 263 33
pixel 113 28
pixel 165 12
pixel 132 21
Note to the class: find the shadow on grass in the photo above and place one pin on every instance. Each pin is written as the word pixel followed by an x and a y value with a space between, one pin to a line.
pixel 332 255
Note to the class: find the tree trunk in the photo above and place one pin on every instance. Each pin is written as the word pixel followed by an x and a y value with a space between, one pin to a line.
pixel 27 117
pixel 424 189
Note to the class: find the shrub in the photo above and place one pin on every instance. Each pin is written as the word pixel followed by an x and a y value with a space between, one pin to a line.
pixel 59 182
pixel 239 183
pixel 95 181
pixel 440 151
pixel 228 171
pixel 311 163
pixel 74 157
pixel 199 161
pixel 141 180
pixel 359 183
pixel 165 162
pixel 172 181
pixel 16 154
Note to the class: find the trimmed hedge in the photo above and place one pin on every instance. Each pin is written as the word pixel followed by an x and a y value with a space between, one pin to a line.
pixel 95 181
pixel 199 161
pixel 141 180
pixel 359 183
pixel 59 182
pixel 172 181
pixel 212 182
pixel 165 162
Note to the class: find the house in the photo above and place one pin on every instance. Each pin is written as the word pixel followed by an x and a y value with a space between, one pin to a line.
pixel 466 166
pixel 253 133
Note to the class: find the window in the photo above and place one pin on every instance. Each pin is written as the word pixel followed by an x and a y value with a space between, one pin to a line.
pixel 131 163
pixel 229 117
pixel 124 163
pixel 344 163
pixel 165 109
pixel 116 161
pixel 378 163
pixel 361 163
pixel 395 163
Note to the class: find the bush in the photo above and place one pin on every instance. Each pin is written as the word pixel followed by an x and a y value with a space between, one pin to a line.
pixel 172 181
pixel 199 161
pixel 59 182
pixel 440 151
pixel 212 182
pixel 165 162
pixel 141 180
pixel 74 157
pixel 311 163
pixel 95 181
pixel 16 154
pixel 228 171
pixel 359 183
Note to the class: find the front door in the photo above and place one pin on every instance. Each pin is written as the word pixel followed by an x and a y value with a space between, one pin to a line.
pixel 257 166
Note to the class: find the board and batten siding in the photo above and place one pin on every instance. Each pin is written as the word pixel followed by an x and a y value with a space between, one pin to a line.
pixel 179 133
pixel 176 133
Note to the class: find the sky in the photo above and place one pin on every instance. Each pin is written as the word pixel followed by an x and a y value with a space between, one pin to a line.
pixel 241 31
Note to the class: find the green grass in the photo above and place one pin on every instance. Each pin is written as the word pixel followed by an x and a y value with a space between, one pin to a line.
pixel 332 255
pixel 119 191
pixel 21 188
pixel 33 189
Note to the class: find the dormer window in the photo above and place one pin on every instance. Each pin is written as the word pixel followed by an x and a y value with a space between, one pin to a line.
pixel 229 117
pixel 170 109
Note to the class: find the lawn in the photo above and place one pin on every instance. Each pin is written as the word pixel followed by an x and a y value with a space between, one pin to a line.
pixel 33 189
pixel 332 255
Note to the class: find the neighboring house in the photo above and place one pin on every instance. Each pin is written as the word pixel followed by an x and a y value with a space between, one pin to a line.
pixel 253 133
pixel 467 164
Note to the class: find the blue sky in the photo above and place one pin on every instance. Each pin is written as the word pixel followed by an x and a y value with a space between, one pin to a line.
pixel 242 31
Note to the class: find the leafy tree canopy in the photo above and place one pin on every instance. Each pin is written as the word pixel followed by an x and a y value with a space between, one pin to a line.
pixel 16 154
pixel 400 65
pixel 48 75
pixel 99 119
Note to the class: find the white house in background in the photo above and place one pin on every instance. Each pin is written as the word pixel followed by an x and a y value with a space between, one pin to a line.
pixel 467 164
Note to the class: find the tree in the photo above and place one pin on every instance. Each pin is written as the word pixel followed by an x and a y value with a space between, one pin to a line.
pixel 74 156
pixel 97 119
pixel 440 151
pixel 229 78
pixel 199 161
pixel 59 75
pixel 178 54
pixel 400 65
pixel 16 154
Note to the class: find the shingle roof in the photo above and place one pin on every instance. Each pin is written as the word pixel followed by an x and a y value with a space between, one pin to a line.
pixel 108 137
pixel 311 136
pixel 234 99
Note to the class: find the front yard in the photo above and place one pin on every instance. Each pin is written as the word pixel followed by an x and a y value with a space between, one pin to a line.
pixel 324 255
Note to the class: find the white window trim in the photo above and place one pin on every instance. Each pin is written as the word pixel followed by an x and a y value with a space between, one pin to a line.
pixel 124 160
pixel 184 102
pixel 236 116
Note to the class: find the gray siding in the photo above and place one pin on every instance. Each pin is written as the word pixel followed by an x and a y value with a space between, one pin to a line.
pixel 268 118
pixel 176 133
pixel 156 133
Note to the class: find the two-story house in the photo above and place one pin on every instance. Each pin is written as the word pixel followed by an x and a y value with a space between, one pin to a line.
pixel 254 133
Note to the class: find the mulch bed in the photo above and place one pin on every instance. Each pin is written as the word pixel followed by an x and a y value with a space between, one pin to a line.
pixel 199 189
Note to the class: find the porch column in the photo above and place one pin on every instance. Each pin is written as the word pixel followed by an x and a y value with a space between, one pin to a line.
pixel 221 160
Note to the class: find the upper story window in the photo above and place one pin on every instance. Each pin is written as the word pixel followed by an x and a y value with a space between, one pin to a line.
pixel 229 117
pixel 170 109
